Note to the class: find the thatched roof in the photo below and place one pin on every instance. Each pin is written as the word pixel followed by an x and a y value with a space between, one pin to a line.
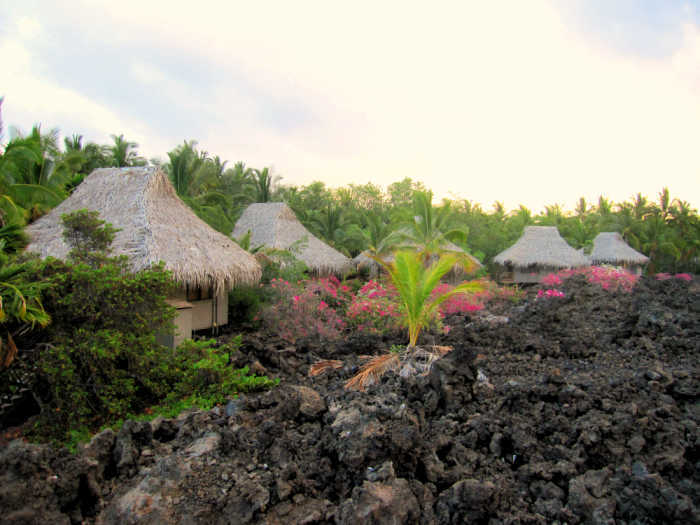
pixel 273 224
pixel 611 248
pixel 155 225
pixel 541 246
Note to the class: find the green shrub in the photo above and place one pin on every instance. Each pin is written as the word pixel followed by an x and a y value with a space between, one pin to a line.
pixel 244 304
pixel 201 367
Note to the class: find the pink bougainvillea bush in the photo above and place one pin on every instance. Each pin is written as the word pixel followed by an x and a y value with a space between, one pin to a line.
pixel 304 310
pixel 680 276
pixel 607 277
pixel 374 310
pixel 551 293
pixel 460 303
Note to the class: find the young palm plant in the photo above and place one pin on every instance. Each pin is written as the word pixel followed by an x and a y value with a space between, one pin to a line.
pixel 415 283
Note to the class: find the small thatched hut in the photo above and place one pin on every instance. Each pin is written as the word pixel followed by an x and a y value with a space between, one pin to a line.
pixel 155 225
pixel 539 251
pixel 274 225
pixel 611 248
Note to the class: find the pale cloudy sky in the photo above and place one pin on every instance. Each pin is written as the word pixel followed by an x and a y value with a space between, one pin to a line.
pixel 534 102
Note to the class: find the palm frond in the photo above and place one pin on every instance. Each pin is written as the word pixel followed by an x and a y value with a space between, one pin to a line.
pixel 321 366
pixel 372 371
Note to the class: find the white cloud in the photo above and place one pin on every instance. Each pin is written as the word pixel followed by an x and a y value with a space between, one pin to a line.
pixel 27 27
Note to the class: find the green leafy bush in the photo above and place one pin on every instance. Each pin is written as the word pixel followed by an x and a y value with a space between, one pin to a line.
pixel 201 367
pixel 244 304
pixel 98 361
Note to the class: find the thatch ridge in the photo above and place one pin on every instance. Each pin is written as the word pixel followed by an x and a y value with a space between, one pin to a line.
pixel 155 225
pixel 541 246
pixel 611 248
pixel 274 224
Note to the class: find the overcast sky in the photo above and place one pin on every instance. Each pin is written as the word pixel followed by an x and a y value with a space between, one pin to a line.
pixel 527 102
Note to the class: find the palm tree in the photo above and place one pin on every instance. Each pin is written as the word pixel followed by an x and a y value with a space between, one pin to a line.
pixel 184 163
pixel 237 184
pixel 123 153
pixel 28 181
pixel 263 184
pixel 429 231
pixel 415 284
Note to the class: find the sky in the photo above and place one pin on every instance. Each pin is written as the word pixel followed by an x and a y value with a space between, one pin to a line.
pixel 535 103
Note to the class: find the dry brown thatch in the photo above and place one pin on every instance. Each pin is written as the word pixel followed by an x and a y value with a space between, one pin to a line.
pixel 273 224
pixel 155 225
pixel 541 246
pixel 611 248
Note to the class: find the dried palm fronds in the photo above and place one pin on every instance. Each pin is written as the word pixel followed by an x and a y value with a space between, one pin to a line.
pixel 322 366
pixel 372 370
pixel 422 359
pixel 9 350
pixel 442 350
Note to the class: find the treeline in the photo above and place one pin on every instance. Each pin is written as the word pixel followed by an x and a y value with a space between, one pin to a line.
pixel 37 172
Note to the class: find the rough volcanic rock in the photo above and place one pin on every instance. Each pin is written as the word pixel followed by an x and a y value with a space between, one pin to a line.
pixel 582 409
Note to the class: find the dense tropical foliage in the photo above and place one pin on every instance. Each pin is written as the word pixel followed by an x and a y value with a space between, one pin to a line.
pixel 36 173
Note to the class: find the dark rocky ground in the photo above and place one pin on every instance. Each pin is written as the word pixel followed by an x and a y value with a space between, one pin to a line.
pixel 576 410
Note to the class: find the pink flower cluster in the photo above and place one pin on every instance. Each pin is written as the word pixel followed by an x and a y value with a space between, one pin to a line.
pixel 680 276
pixel 301 311
pixel 551 280
pixel 460 303
pixel 607 277
pixel 373 309
pixel 552 292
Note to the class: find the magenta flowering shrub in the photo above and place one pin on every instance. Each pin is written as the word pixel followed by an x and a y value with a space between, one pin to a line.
pixel 302 310
pixel 680 276
pixel 374 310
pixel 607 277
pixel 551 280
pixel 548 294
pixel 335 294
pixel 460 303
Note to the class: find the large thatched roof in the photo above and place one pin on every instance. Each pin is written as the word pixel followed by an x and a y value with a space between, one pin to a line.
pixel 541 246
pixel 273 224
pixel 155 225
pixel 611 248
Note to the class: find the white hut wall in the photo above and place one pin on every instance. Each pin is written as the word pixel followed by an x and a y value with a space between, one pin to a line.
pixel 530 275
pixel 182 324
pixel 208 309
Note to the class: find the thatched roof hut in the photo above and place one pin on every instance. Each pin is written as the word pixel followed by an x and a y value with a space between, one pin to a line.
pixel 611 248
pixel 273 224
pixel 155 225
pixel 540 249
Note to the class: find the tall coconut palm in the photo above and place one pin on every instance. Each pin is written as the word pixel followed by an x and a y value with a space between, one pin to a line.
pixel 430 229
pixel 263 184
pixel 123 153
pixel 182 169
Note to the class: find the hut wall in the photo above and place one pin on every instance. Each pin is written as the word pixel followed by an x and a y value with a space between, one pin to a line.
pixel 183 326
pixel 182 322
pixel 208 313
pixel 529 275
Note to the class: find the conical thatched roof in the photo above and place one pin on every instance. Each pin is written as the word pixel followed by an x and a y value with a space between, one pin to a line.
pixel 541 246
pixel 155 225
pixel 611 248
pixel 273 224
